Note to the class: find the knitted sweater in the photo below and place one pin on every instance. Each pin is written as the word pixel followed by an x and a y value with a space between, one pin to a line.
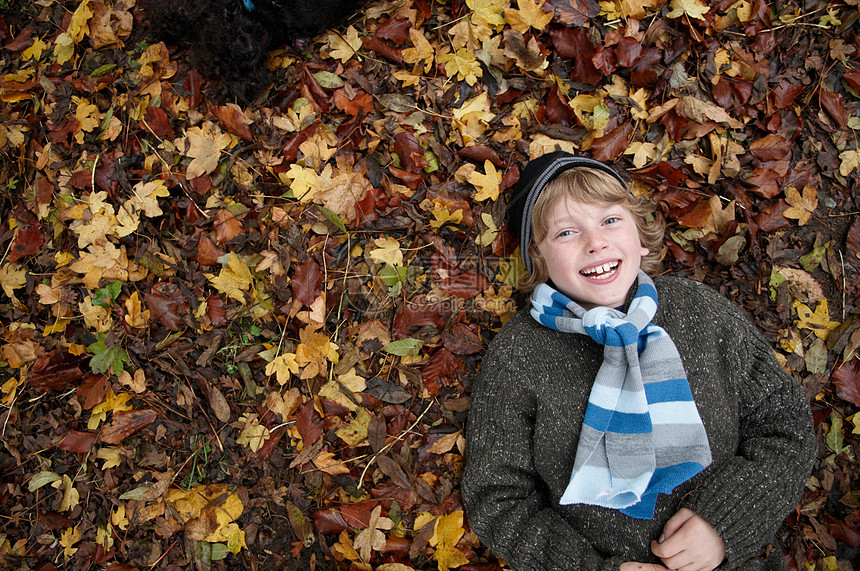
pixel 528 404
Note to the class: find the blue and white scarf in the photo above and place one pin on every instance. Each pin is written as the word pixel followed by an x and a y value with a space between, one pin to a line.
pixel 642 434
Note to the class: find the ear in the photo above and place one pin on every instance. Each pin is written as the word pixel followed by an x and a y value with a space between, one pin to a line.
pixel 643 251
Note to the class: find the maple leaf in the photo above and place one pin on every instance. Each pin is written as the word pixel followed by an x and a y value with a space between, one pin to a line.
pixel 803 206
pixel 88 117
pixel 235 280
pixel 71 498
pixel 487 183
pixel 355 432
pixel 343 46
pixel 642 153
pixel 371 538
pixel 528 15
pixel 691 8
pixel 488 12
pixel 68 539
pixel 204 145
pixel 447 531
pixel 387 251
pixel 421 54
pixel 303 181
pixel 486 238
pixel 135 315
pixel 254 434
pixel 78 28
pixel 441 215
pixel 344 389
pixel 12 277
pixel 463 64
pixel 112 403
pixel 849 161
pixel 146 195
pixel 34 51
pixel 818 321
pixel 283 367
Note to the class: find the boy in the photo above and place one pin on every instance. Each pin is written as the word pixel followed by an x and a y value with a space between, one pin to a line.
pixel 625 423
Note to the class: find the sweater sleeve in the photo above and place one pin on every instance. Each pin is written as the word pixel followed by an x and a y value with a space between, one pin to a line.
pixel 749 496
pixel 506 501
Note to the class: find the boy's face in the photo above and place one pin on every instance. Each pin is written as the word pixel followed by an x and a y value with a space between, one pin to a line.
pixel 592 252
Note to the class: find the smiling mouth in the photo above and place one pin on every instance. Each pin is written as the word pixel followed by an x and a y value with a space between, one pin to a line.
pixel 602 271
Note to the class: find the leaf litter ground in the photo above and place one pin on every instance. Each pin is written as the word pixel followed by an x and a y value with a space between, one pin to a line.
pixel 242 334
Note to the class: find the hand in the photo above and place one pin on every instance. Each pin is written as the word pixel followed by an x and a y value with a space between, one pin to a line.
pixel 634 566
pixel 689 543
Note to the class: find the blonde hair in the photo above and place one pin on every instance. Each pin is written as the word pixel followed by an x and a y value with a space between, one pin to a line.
pixel 592 186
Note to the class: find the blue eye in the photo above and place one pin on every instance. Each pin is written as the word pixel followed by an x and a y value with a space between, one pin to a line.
pixel 611 220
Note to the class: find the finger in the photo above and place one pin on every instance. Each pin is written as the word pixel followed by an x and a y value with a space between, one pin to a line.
pixel 675 523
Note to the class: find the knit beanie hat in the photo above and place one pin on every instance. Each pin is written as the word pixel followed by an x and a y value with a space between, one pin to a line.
pixel 533 180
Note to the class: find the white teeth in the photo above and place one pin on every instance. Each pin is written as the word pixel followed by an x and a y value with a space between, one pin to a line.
pixel 598 271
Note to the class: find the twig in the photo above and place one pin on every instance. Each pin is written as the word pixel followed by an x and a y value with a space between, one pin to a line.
pixel 392 443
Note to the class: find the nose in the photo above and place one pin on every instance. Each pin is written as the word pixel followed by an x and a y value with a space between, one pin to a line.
pixel 595 242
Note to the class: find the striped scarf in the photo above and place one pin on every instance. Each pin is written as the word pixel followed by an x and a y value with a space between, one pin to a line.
pixel 642 434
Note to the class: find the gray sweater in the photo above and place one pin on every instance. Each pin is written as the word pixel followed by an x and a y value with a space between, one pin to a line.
pixel 527 409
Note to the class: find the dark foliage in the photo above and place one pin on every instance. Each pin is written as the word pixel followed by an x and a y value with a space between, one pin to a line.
pixel 226 40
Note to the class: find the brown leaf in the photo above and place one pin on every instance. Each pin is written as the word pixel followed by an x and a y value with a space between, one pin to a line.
pixel 770 148
pixel 377 45
pixel 79 442
pixel 124 424
pixel 770 218
pixel 411 153
pixel 481 153
pixel 57 371
pixel 395 29
pixel 166 304
pixel 233 120
pixel 92 390
pixel 227 226
pixel 575 13
pixel 832 103
pixel 393 470
pixel 613 143
pixel 307 280
pixel 27 242
pixel 846 378
pixel 852 243
pixel 573 43
pixel 463 339
pixel 207 252
pixel 785 93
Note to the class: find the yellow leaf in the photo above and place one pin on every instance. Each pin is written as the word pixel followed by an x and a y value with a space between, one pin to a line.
pixel 462 64
pixel 112 456
pixel 642 153
pixel 135 315
pixel 446 533
pixel 235 280
pixel 529 15
pixel 282 367
pixel 71 497
pixel 488 184
pixel 488 12
pixel 119 519
pixel 235 537
pixel 9 390
pixel 849 160
pixel 387 251
pixel 303 181
pixel 112 403
pixel 34 51
pixel 254 435
pixel 64 48
pixel 487 237
pixel 88 117
pixel 355 432
pixel 204 146
pixel 78 25
pixel 345 548
pixel 802 207
pixel 692 8
pixel 343 46
pixel 818 321
pixel 315 347
pixel 12 277
pixel 421 54
pixel 441 215
pixel 344 389
pixel 68 539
